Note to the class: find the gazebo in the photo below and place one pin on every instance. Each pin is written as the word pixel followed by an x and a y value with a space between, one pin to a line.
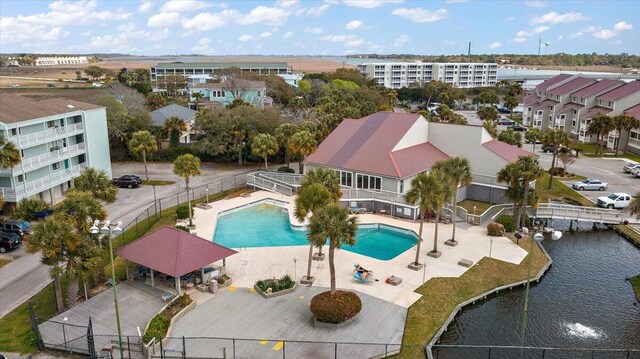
pixel 173 252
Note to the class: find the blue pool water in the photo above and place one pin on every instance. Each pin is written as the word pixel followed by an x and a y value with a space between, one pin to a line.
pixel 265 225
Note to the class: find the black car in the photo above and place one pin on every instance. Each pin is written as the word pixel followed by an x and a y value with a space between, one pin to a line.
pixel 502 110
pixel 518 128
pixel 51 85
pixel 16 226
pixel 44 213
pixel 8 241
pixel 128 181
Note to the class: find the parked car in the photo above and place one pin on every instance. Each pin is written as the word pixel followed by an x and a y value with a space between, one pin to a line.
pixel 629 167
pixel 16 226
pixel 505 121
pixel 636 172
pixel 615 200
pixel 97 84
pixel 502 109
pixel 518 128
pixel 51 85
pixel 128 181
pixel 548 148
pixel 8 241
pixel 15 85
pixel 590 184
pixel 44 214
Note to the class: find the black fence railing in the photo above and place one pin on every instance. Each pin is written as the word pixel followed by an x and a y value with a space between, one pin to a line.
pixel 443 351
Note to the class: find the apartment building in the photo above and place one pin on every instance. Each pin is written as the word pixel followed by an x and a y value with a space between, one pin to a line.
pixel 61 60
pixel 403 74
pixel 216 94
pixel 202 72
pixel 57 138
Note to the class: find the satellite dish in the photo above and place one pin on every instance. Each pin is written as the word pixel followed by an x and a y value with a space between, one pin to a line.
pixel 546 44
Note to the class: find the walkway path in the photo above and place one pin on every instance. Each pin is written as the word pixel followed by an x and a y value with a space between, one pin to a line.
pixel 241 313
pixel 20 280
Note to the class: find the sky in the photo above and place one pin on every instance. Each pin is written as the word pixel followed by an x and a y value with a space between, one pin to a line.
pixel 329 27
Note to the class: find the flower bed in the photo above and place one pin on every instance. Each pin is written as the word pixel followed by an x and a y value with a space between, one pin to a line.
pixel 270 288
pixel 159 324
pixel 340 307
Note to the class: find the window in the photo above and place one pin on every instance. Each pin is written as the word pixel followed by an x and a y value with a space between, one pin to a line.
pixel 368 182
pixel 51 124
pixel 82 158
pixel 401 189
pixel 14 132
pixel 346 178
pixel 22 177
pixel 55 166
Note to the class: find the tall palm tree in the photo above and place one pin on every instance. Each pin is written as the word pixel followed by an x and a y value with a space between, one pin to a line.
pixel 422 188
pixel 142 142
pixel 490 126
pixel 329 180
pixel 197 96
pixel 174 126
pixel 311 198
pixel 264 145
pixel 556 138
pixel 283 134
pixel 509 175
pixel 303 143
pixel 634 206
pixel 80 267
pixel 81 209
pixel 440 195
pixel 9 158
pixel 458 169
pixel 528 170
pixel 97 182
pixel 511 137
pixel 626 123
pixel 487 113
pixel 333 222
pixel 56 239
pixel 510 102
pixel 187 166
pixel 533 135
pixel 599 126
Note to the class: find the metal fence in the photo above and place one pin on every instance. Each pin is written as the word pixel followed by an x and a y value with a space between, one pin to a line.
pixel 443 351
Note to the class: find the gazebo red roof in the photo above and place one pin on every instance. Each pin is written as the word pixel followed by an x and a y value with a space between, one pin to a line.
pixel 173 252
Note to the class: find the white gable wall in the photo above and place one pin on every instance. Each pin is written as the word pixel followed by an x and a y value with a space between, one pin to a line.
pixel 417 134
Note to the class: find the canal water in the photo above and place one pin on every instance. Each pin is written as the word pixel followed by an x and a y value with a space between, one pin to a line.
pixel 583 301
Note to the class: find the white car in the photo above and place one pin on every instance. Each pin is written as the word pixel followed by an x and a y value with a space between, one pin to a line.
pixel 97 84
pixel 635 171
pixel 590 184
pixel 615 200
pixel 630 167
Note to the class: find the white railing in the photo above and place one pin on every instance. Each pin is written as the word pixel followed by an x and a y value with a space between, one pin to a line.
pixel 35 186
pixel 253 180
pixel 47 135
pixel 31 163
pixel 635 142
pixel 579 213
pixel 350 194
pixel 286 178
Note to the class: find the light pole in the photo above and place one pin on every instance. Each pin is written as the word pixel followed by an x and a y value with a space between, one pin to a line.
pixel 64 332
pixel 155 201
pixel 109 230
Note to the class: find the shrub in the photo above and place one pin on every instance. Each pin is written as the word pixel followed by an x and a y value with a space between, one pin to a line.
pixel 285 169
pixel 157 328
pixel 182 212
pixel 183 228
pixel 220 280
pixel 495 229
pixel 28 207
pixel 276 285
pixel 335 308
pixel 507 222
pixel 556 171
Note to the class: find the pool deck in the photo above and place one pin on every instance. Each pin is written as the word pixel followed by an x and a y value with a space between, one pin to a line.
pixel 252 264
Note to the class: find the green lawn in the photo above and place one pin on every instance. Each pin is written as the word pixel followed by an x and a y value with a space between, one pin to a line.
pixel 4 262
pixel 440 296
pixel 560 191
pixel 468 204
pixel 635 283
pixel 16 335
pixel 589 150
pixel 157 182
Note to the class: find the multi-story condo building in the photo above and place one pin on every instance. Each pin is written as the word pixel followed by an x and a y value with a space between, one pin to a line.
pixel 203 72
pixel 61 60
pixel 570 102
pixel 403 74
pixel 57 138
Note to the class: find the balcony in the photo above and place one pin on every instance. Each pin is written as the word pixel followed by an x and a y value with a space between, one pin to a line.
pixel 634 142
pixel 32 163
pixel 48 135
pixel 23 190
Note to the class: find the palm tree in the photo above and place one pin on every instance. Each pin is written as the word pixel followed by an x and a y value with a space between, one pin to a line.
pixel 82 208
pixel 186 166
pixel 9 154
pixel 97 182
pixel 634 206
pixel 310 198
pixel 490 126
pixel 283 134
pixel 533 135
pixel 556 138
pixel 458 169
pixel 55 238
pixel 302 143
pixel 626 123
pixel 80 267
pixel 509 175
pixel 600 125
pixel 329 180
pixel 487 113
pixel 264 145
pixel 143 142
pixel 511 137
pixel 510 102
pixel 333 222
pixel 528 170
pixel 197 96
pixel 440 195
pixel 174 126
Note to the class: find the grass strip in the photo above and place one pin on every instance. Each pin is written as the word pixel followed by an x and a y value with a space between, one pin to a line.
pixel 559 191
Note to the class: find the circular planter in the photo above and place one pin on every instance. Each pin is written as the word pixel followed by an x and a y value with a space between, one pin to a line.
pixel 332 311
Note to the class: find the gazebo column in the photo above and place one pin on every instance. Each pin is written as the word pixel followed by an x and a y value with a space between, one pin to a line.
pixel 178 289
pixel 153 279
pixel 202 275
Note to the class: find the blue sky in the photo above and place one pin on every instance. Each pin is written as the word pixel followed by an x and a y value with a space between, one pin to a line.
pixel 329 27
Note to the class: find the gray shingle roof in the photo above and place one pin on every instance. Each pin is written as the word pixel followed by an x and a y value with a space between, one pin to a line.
pixel 160 115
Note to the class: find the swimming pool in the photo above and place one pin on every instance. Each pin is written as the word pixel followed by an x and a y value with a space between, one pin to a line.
pixel 265 225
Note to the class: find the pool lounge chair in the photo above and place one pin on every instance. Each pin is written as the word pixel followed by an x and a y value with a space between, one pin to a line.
pixel 357 210
pixel 360 276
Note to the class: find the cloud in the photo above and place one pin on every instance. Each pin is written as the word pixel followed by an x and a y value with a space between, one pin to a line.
pixel 266 15
pixel 556 18
pixel 145 6
pixel 353 25
pixel 247 37
pixel 87 33
pixel 313 30
pixel 370 4
pixel 575 35
pixel 511 18
pixel 520 39
pixel 346 40
pixel 495 45
pixel 560 38
pixel 318 10
pixel 265 34
pixel 535 3
pixel 287 35
pixel 420 15
pixel 286 3
pixel 208 21
pixel 604 34
pixel 164 19
pixel 127 38
pixel 536 30
pixel 622 25
pixel 455 1
pixel 203 46
pixel 591 28
pixel 401 40
pixel 184 5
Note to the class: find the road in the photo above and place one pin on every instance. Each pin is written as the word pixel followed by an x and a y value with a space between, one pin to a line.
pixel 26 276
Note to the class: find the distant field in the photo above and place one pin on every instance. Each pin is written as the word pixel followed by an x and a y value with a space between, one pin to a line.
pixel 79 94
